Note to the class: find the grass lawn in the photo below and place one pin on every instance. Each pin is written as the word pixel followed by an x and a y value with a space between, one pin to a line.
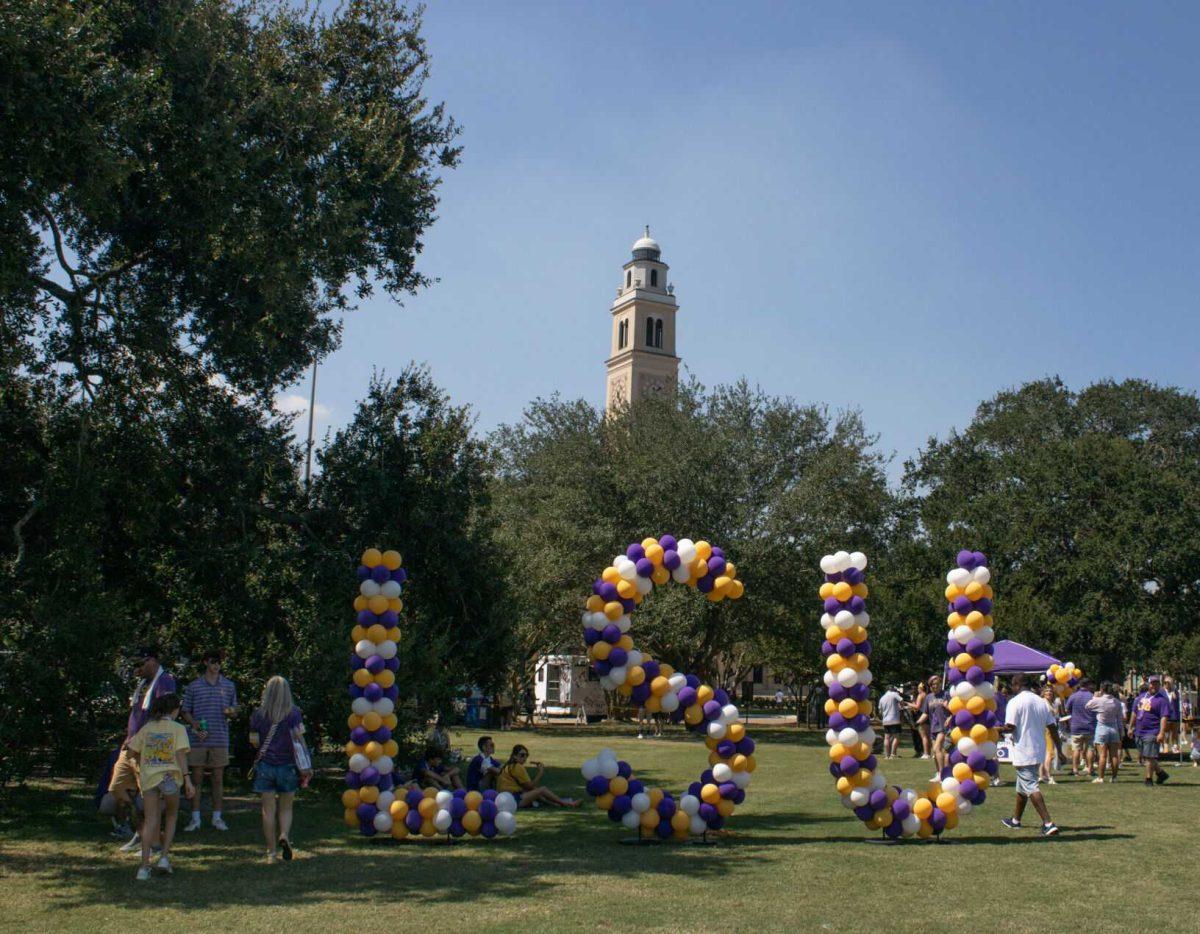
pixel 795 859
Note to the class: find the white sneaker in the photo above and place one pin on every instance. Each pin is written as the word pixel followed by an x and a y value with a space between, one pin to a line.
pixel 193 824
pixel 219 824
pixel 143 874
pixel 163 864
pixel 640 736
pixel 924 757
pixel 132 845
pixel 1097 781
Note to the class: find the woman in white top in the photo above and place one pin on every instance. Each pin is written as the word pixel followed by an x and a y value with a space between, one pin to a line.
pixel 1110 715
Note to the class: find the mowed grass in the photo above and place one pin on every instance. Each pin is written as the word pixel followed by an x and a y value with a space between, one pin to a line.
pixel 795 859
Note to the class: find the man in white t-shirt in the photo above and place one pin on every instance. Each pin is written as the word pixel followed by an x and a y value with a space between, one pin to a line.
pixel 1027 718
pixel 889 716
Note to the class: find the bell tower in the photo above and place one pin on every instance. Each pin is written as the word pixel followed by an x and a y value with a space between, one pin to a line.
pixel 642 361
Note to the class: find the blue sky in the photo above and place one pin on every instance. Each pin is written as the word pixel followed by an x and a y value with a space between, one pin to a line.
pixel 900 208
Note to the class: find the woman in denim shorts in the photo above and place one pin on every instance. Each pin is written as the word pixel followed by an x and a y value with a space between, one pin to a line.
pixel 276 777
pixel 1109 722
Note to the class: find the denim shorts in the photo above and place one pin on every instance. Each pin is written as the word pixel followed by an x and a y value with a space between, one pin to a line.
pixel 1106 735
pixel 1027 779
pixel 282 779
pixel 1147 747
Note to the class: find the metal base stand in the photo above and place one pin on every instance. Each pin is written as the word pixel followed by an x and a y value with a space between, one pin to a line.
pixel 640 840
pixel 702 840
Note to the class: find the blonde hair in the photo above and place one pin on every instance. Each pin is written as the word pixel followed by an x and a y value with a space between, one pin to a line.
pixel 276 701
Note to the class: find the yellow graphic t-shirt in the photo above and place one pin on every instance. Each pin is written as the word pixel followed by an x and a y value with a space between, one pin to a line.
pixel 157 743
pixel 512 778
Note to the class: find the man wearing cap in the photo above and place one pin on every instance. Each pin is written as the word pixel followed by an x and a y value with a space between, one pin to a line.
pixel 208 706
pixel 1148 723
pixel 153 681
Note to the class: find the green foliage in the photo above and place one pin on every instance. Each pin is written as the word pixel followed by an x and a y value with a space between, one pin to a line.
pixel 772 482
pixel 1089 505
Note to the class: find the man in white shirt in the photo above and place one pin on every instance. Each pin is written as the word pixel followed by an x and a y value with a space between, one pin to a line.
pixel 889 716
pixel 1027 718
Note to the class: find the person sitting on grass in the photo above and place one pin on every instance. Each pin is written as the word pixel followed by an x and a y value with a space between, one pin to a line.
pixel 514 778
pixel 434 773
pixel 161 748
pixel 483 769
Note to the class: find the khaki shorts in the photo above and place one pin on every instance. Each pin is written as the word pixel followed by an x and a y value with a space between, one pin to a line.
pixel 124 774
pixel 213 757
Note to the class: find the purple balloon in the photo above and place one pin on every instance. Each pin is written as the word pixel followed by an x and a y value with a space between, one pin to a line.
pixel 487 830
pixel 392 693
pixel 640 694
pixel 635 552
pixel 859 722
pixel 852 576
pixel 975 674
pixel 953 647
pixel 359 736
pixel 608 592
pixel 711 710
pixel 413 797
pixel 706 583
pixel 597 785
pixel 645 567
pixel 366 618
pixel 962 605
pixel 870 762
pixel 488 809
pixel 366 811
pixel 380 574
pixel 651 668
pixel 746 746
pixel 964 719
pixel 716 565
pixel 620 805
pixel 389 618
pixel 666 807
pixel 628 605
pixel 846 647
pixel 719 552
pixel 611 633
pixel 827 648
pixel 624 769
pixel 837 692
pixel 382 735
pixel 591 636
pixel 727 789
pixel 859 692
pixel 832 605
pixel 671 559
pixel 618 657
pixel 708 813
pixel 374 664
pixel 357 663
pixel 980 559
pixel 668 543
pixel 721 696
pixel 856 604
pixel 693 681
pixel 400 575
pixel 602 667
pixel 901 809
pixel 864 813
pixel 687 696
pixel 878 799
pixel 392 664
pixel 954 676
pixel 984 606
pixel 893 830
pixel 352 780
pixel 363 572
pixel 975 648
pixel 373 692
pixel 413 821
pixel 848 765
pixel 837 721
pixel 966 559
pixel 458 807
pixel 865 646
pixel 937 820
pixel 369 775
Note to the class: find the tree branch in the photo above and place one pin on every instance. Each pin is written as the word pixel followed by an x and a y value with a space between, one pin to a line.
pixel 19 526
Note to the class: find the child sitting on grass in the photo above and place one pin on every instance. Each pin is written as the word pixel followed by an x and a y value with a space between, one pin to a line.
pixel 161 748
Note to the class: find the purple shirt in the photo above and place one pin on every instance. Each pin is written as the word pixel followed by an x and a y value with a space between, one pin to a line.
pixel 280 750
pixel 1083 721
pixel 207 702
pixel 139 704
pixel 1149 710
pixel 933 705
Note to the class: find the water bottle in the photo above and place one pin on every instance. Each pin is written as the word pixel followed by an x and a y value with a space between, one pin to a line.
pixel 203 726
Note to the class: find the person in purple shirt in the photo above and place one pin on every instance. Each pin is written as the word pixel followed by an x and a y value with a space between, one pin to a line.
pixel 273 727
pixel 153 682
pixel 1148 722
pixel 933 712
pixel 1082 727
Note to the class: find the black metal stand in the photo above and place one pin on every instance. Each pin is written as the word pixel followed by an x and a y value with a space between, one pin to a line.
pixel 703 840
pixel 640 840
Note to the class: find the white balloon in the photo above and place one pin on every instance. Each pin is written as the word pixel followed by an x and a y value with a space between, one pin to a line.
pixel 608 768
pixel 722 773
pixel 389 589
pixel 630 819
pixel 506 823
pixel 627 569
pixel 384 706
pixel 669 702
pixel 985 690
pixel 988 749
pixel 686 549
pixel 623 623
pixel 606 753
pixel 909 795
pixel 677 681
pixel 963 634
pixel 383 820
pixel 635 658
pixel 696 825
pixel 506 802
pixel 859 796
pixel 730 714
pixel 867 736
pixel 443 799
pixel 387 649
pixel 846 802
pixel 607 683
pixel 841 560
pixel 981 575
pixel 741 779
pixel 848 736
pixel 826 621
pixel 910 825
pixel 644 585
pixel 442 821
pixel 358 762
pixel 360 705
pixel 878 781
pixel 858 560
pixel 689 804
pixel 618 675
pixel 831 737
pixel 959 577
pixel 827 564
pixel 365 648
pixel 640 802
pixel 590 769
pixel 587 619
pixel 964 807
pixel 966 745
pixel 847 677
pixel 385 800
pixel 864 677
pixel 368 588
pixel 863 619
pixel 844 619
pixel 384 765
pixel 717 730
pixel 830 678
pixel 985 634
pixel 681 574
pixel 950 784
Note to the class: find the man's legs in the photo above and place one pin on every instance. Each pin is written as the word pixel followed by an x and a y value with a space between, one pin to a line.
pixel 197 778
pixel 218 793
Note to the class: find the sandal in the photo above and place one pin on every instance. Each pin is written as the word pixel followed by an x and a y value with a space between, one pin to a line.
pixel 285 848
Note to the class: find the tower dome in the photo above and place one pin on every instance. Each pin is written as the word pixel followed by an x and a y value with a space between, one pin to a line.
pixel 646 247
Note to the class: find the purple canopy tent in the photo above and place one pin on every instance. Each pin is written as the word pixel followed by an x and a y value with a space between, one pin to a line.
pixel 1011 657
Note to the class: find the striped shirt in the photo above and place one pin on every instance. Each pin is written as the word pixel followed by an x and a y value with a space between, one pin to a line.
pixel 207 701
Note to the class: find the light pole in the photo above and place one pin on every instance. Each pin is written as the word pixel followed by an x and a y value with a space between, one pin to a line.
pixel 312 409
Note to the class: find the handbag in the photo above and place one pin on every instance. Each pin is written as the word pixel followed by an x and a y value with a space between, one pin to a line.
pixel 303 760
pixel 262 749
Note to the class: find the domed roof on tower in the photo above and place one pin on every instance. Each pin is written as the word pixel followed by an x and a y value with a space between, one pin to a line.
pixel 647 244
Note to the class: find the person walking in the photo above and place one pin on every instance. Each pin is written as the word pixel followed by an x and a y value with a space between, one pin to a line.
pixel 273 727
pixel 154 681
pixel 889 716
pixel 1082 729
pixel 934 713
pixel 1109 713
pixel 1029 719
pixel 1053 751
pixel 209 703
pixel 161 748
pixel 922 720
pixel 1148 722
pixel 1171 736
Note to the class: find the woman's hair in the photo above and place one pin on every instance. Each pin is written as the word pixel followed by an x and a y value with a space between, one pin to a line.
pixel 517 750
pixel 276 701
pixel 163 705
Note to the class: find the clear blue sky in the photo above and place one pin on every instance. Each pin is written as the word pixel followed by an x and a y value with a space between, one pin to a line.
pixel 896 207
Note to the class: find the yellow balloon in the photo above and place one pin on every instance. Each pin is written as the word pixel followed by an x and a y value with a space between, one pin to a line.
pixel 635 676
pixel 399 809
pixel 427 808
pixel 680 821
pixel 362 677
pixel 660 575
pixel 372 557
pixel 613 611
pixel 391 748
pixel 472 822
pixel 399 830
pixel 350 816
pixel 350 798
pixel 427 829
pixel 947 802
pixel 385 678
pixel 618 785
pixel 710 794
pixel 357 634
pixel 735 732
pixel 372 721
pixel 703 550
pixel 649 819
pixel 923 807
pixel 595 604
pixel 842 591
pixel 391 560
pixel 611 575
pixel 377 604
pixel 369 794
pixel 604 801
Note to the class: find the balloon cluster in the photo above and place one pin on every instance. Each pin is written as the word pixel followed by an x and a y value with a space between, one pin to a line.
pixel 657 687
pixel 629 802
pixel 863 787
pixel 369 793
pixel 1064 679
pixel 433 811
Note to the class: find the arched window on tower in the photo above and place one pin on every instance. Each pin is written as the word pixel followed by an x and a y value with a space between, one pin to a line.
pixel 654 277
pixel 658 333
pixel 628 278
pixel 622 334
pixel 649 332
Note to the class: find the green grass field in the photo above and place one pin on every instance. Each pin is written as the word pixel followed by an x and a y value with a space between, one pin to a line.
pixel 795 859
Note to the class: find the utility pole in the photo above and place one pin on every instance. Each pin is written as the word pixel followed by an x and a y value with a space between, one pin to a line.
pixel 312 409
